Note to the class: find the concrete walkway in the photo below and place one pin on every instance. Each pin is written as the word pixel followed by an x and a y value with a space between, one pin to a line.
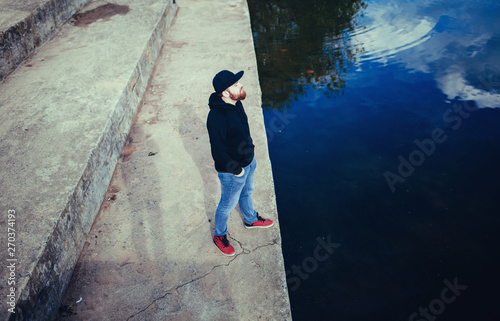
pixel 149 255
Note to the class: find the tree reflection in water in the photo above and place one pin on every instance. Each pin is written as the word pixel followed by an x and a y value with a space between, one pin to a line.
pixel 300 43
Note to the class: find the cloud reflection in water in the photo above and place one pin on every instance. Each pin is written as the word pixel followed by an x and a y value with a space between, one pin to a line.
pixel 455 41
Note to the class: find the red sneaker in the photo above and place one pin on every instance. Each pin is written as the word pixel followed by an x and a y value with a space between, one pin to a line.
pixel 223 245
pixel 261 223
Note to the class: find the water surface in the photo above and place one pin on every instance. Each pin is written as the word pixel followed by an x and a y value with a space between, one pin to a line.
pixel 383 126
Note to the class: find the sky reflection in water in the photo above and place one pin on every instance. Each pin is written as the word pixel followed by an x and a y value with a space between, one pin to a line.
pixel 458 44
pixel 343 106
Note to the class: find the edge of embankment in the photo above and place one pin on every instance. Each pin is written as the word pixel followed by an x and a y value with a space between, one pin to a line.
pixel 150 255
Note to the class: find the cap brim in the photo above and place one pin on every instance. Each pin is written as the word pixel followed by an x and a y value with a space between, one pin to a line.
pixel 238 76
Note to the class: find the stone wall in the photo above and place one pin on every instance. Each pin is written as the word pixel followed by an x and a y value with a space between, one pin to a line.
pixel 19 41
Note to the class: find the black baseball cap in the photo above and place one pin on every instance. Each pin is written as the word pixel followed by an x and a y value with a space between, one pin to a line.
pixel 225 79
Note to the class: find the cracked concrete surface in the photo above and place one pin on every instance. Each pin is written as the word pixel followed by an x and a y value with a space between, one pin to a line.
pixel 176 288
pixel 150 254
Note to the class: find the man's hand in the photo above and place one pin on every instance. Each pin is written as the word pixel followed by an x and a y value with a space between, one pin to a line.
pixel 242 173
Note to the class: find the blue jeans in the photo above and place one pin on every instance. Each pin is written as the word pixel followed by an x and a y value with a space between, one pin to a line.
pixel 235 190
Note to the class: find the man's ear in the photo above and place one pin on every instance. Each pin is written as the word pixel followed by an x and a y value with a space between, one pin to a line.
pixel 225 93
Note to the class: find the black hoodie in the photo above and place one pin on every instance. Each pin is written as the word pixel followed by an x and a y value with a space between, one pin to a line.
pixel 230 141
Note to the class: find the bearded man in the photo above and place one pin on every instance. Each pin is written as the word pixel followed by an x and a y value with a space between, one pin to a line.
pixel 233 153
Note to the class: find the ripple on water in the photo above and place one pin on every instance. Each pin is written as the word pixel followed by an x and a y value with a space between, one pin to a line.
pixel 456 44
pixel 386 30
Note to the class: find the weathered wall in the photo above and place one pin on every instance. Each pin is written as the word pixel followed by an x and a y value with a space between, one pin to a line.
pixel 19 41
pixel 54 218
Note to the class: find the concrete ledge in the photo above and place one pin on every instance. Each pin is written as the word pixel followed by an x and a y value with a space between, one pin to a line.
pixel 66 113
pixel 150 254
pixel 26 24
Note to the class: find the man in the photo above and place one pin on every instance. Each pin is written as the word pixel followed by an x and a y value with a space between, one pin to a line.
pixel 233 153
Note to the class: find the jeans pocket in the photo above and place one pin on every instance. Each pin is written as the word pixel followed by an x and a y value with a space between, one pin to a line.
pixel 239 179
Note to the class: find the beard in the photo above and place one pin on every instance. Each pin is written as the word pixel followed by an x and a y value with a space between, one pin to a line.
pixel 241 96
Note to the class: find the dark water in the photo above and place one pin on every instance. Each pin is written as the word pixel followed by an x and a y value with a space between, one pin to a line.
pixel 383 123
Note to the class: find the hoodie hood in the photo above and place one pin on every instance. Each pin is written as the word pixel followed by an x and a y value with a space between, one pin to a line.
pixel 216 102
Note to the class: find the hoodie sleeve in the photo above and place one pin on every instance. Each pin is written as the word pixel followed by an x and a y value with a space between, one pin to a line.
pixel 217 131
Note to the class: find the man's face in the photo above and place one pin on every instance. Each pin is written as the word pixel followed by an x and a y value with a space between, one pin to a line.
pixel 236 92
